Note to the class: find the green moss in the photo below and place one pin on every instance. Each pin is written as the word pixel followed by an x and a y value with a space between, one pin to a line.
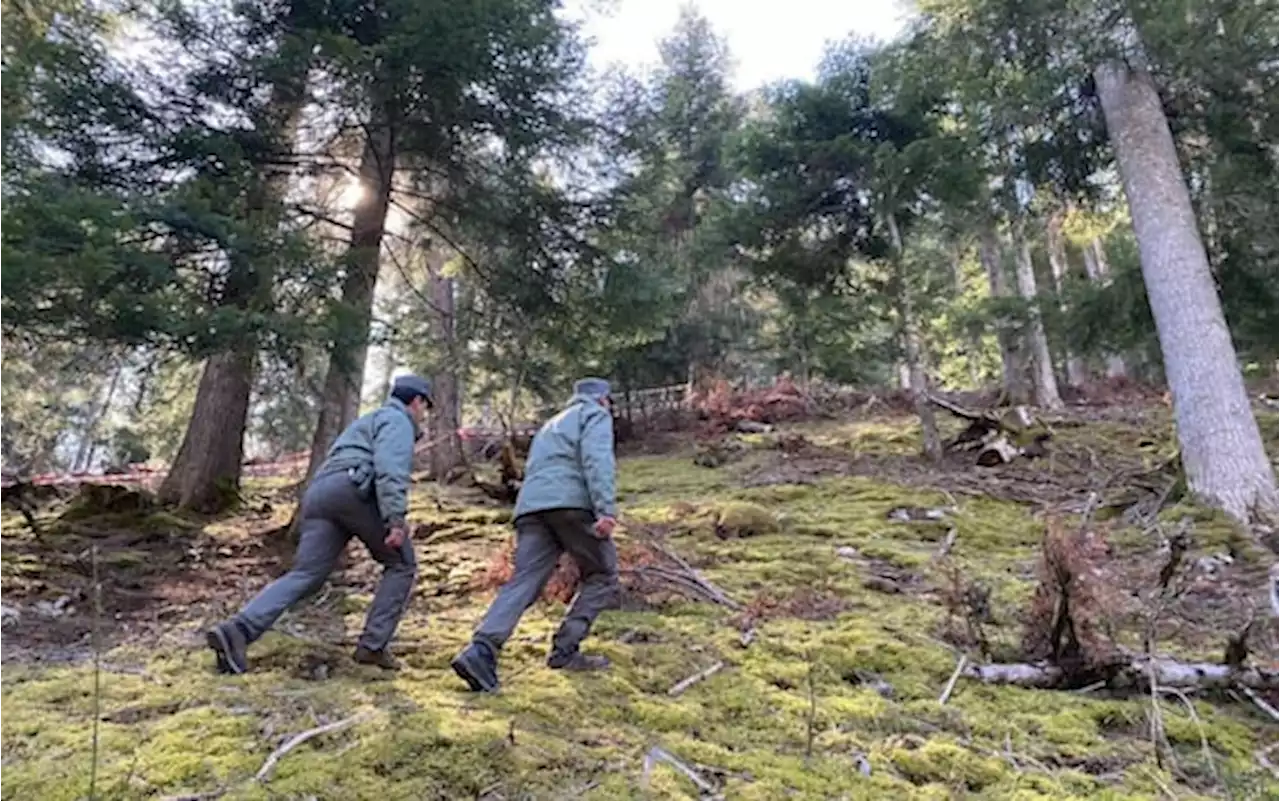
pixel 782 719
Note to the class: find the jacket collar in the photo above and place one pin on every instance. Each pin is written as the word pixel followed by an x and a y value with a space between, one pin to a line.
pixel 396 403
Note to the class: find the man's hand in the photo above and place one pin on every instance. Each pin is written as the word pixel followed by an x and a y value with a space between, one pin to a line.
pixel 604 527
pixel 396 536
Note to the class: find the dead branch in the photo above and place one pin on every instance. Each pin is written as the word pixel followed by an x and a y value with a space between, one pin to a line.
pixel 701 675
pixel 951 683
pixel 657 755
pixel 264 772
pixel 1261 704
pixel 1135 673
pixel 947 544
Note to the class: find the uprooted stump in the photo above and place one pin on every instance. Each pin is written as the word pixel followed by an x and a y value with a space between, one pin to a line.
pixel 997 438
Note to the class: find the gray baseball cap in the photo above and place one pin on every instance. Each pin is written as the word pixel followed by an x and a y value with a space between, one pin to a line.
pixel 414 384
pixel 591 387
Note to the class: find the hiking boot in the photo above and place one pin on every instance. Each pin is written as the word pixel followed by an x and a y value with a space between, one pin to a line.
pixel 477 666
pixel 577 661
pixel 228 643
pixel 382 659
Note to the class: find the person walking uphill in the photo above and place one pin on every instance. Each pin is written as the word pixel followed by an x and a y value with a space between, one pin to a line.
pixel 566 503
pixel 360 490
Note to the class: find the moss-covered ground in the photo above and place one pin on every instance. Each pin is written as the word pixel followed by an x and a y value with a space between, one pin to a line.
pixel 836 695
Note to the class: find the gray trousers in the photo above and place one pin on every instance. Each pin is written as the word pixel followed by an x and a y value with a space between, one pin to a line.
pixel 540 539
pixel 332 512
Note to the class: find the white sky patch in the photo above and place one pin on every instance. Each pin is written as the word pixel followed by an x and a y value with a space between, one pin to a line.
pixel 769 41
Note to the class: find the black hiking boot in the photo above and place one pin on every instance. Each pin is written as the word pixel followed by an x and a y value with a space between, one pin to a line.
pixel 477 666
pixel 577 661
pixel 382 659
pixel 228 643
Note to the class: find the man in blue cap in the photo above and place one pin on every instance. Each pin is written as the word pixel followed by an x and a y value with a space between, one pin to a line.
pixel 361 490
pixel 566 503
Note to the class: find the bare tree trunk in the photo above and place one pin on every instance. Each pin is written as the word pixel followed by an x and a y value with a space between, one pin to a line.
pixel 919 380
pixel 446 414
pixel 972 345
pixel 1099 272
pixel 205 473
pixel 344 379
pixel 1222 450
pixel 1043 381
pixel 1017 389
pixel 1077 373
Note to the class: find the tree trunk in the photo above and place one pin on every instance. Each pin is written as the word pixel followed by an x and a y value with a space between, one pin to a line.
pixel 344 380
pixel 1044 383
pixel 972 344
pixel 918 379
pixel 1077 374
pixel 88 447
pixel 446 415
pixel 1222 450
pixel 1017 389
pixel 205 474
pixel 1099 272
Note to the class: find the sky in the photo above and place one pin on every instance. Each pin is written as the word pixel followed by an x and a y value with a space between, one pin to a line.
pixel 769 40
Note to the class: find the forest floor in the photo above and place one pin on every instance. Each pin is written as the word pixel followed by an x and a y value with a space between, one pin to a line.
pixel 852 623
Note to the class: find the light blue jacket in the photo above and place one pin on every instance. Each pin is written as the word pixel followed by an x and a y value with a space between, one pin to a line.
pixel 571 464
pixel 377 451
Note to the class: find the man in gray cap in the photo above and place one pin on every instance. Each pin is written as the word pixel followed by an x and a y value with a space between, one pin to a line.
pixel 566 503
pixel 361 490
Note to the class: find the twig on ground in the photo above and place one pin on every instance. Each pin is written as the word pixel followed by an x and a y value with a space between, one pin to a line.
pixel 1204 740
pixel 701 675
pixel 657 754
pixel 298 739
pixel 951 683
pixel 947 544
pixel 1261 704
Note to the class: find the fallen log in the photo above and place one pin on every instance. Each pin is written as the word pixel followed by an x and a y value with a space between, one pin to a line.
pixel 998 438
pixel 1137 673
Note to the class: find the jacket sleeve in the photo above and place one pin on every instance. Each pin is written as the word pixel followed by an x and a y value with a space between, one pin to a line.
pixel 392 464
pixel 596 449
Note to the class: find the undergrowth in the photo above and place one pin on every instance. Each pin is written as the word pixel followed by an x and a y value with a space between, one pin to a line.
pixel 848 612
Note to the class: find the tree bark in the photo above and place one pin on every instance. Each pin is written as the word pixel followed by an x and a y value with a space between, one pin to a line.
pixel 1077 373
pixel 344 378
pixel 1017 389
pixel 1099 272
pixel 205 473
pixel 446 415
pixel 918 379
pixel 1044 383
pixel 1222 449
pixel 972 344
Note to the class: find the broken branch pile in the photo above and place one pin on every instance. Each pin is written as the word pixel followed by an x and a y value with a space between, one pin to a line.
pixel 997 438
pixel 750 410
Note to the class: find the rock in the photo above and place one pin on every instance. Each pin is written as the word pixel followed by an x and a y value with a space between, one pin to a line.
pixel 847 552
pixel 881 584
pixel 9 614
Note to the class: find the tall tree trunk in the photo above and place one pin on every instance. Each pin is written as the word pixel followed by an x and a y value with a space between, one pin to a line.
pixel 1044 383
pixel 1222 450
pixel 1099 272
pixel 1017 389
pixel 972 344
pixel 344 378
pixel 446 414
pixel 88 446
pixel 1077 373
pixel 919 380
pixel 205 474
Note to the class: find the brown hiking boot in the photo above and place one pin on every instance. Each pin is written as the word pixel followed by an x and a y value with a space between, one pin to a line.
pixel 577 661
pixel 382 659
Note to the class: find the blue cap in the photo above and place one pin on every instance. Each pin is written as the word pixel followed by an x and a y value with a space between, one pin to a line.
pixel 414 385
pixel 591 387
